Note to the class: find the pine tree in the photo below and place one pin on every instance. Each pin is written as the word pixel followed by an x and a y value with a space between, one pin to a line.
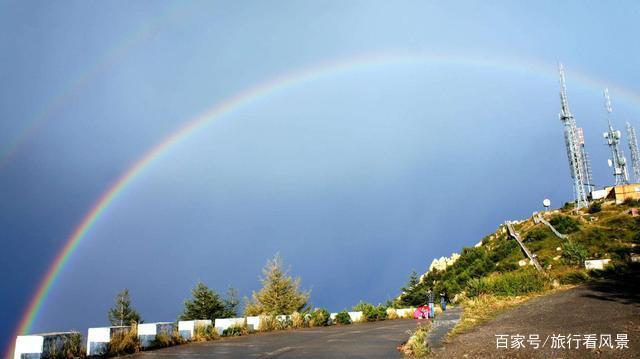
pixel 122 312
pixel 280 293
pixel 231 303
pixel 205 304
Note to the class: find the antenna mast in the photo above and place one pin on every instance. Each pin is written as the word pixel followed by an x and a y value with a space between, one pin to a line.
pixel 635 153
pixel 617 161
pixel 574 142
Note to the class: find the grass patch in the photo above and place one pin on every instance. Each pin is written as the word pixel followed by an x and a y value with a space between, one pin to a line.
pixel 416 346
pixel 481 309
pixel 507 284
pixel 124 342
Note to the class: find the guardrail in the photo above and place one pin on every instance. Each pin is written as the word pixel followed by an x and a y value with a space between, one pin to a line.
pixel 538 218
pixel 516 236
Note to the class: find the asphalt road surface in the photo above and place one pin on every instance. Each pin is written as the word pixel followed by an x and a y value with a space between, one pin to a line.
pixel 608 307
pixel 363 340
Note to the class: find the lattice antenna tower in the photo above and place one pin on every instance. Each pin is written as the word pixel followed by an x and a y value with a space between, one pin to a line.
pixel 635 153
pixel 574 142
pixel 618 162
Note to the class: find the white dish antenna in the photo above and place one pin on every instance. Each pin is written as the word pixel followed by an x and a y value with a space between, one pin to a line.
pixel 546 202
pixel 610 163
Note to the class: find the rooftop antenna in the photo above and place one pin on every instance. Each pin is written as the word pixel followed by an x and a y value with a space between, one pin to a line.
pixel 635 153
pixel 618 162
pixel 574 142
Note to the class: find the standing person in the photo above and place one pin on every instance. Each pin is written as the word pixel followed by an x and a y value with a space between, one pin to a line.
pixel 443 300
pixel 431 298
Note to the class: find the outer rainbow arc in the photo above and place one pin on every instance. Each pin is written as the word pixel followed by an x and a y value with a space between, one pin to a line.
pixel 236 102
pixel 108 60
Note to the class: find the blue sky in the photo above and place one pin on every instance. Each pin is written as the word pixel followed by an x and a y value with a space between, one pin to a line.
pixel 355 177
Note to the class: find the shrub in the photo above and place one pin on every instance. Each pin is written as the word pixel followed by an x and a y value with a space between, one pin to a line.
pixel 477 287
pixel 517 283
pixel 573 253
pixel 416 346
pixel 298 320
pixel 67 347
pixel 164 339
pixel 392 313
pixel 536 234
pixel 236 330
pixel 124 342
pixel 202 333
pixel 319 318
pixel 267 322
pixel 507 284
pixel 381 312
pixel 595 207
pixel 565 224
pixel 343 318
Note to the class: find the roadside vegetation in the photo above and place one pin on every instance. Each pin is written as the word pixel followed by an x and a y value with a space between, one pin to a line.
pixel 495 275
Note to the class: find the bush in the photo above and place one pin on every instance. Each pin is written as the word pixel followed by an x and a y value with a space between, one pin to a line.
pixel 536 234
pixel 507 284
pixel 267 322
pixel 164 339
pixel 370 313
pixel 392 313
pixel 381 312
pixel 416 346
pixel 67 347
pixel 298 320
pixel 236 330
pixel 477 287
pixel 203 333
pixel 343 318
pixel 565 224
pixel 573 253
pixel 595 207
pixel 124 342
pixel 319 318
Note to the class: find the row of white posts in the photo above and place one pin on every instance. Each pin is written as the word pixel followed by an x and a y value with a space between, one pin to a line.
pixel 37 346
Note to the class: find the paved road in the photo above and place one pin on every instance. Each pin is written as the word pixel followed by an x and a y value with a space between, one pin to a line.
pixel 365 340
pixel 606 307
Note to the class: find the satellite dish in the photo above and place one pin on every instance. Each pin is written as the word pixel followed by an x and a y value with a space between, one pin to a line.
pixel 546 202
pixel 610 162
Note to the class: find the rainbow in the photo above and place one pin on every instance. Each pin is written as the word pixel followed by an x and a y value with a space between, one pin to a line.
pixel 252 94
pixel 111 57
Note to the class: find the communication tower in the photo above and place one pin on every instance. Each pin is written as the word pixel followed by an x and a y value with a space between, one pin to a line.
pixel 574 141
pixel 618 162
pixel 635 153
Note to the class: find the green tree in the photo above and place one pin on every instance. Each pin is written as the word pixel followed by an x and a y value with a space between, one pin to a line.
pixel 231 303
pixel 205 304
pixel 280 293
pixel 414 292
pixel 122 312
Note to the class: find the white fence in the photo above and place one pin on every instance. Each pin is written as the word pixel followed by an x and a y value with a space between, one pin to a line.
pixel 147 332
pixel 98 339
pixel 226 323
pixel 39 345
pixel 186 328
pixel 36 345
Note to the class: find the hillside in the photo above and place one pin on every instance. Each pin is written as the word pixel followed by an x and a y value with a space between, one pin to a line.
pixel 497 265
